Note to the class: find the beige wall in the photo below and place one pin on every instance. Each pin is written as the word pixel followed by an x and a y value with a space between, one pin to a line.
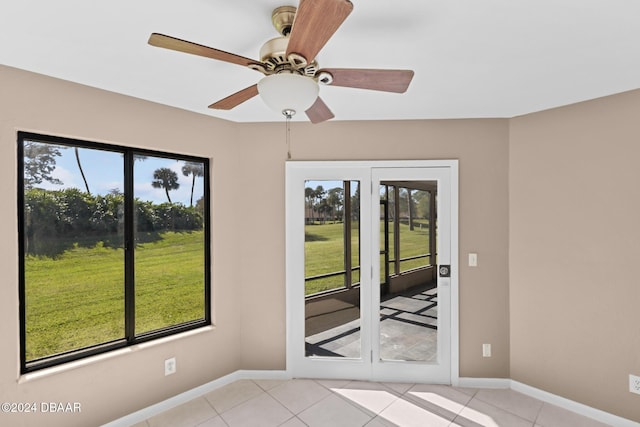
pixel 574 251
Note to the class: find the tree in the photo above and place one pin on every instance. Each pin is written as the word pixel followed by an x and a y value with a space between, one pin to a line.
pixel 309 196
pixel 39 163
pixel 167 179
pixel 355 204
pixel 86 185
pixel 194 169
pixel 318 195
pixel 335 200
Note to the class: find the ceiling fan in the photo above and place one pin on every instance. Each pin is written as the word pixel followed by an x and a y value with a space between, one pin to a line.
pixel 289 62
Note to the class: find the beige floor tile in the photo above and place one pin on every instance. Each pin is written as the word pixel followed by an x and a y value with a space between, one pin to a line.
pixel 407 414
pixel 369 396
pixel 445 401
pixel 269 384
pixel 517 403
pixel 334 412
pixel 261 411
pixel 331 384
pixel 480 414
pixel 187 415
pixel 293 422
pixel 553 416
pixel 213 422
pixel 471 391
pixel 298 395
pixel 380 422
pixel 233 394
pixel 400 388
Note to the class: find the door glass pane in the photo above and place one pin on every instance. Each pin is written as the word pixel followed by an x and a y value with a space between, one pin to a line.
pixel 408 301
pixel 384 235
pixel 73 248
pixel 414 229
pixel 169 238
pixel 332 268
pixel 391 220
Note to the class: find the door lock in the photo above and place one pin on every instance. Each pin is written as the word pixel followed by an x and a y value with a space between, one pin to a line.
pixel 444 271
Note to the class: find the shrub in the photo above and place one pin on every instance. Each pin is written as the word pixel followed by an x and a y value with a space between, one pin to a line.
pixel 57 219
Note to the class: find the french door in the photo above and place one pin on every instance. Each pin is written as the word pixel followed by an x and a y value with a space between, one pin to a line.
pixel 371 270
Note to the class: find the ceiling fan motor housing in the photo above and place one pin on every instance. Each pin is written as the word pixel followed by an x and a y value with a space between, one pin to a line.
pixel 273 55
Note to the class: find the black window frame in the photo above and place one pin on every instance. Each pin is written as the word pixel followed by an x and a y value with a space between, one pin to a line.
pixel 130 338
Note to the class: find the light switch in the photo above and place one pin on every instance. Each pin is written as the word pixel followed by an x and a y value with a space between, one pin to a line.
pixel 486 350
pixel 473 260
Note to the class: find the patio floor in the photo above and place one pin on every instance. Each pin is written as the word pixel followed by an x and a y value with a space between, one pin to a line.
pixel 408 329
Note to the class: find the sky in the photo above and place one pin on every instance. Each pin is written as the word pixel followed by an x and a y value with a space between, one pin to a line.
pixel 104 172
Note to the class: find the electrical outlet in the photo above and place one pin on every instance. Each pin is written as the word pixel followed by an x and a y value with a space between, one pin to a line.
pixel 170 366
pixel 486 350
pixel 634 384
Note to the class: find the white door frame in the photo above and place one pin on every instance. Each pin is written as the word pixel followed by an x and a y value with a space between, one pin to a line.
pixel 295 249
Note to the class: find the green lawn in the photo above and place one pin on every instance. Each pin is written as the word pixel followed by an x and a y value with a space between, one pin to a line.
pixel 77 299
pixel 324 251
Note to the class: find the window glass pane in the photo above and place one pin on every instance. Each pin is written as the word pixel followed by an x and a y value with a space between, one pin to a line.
pixel 408 304
pixel 169 242
pixel 355 230
pixel 384 235
pixel 73 248
pixel 324 236
pixel 414 228
pixel 332 268
pixel 391 191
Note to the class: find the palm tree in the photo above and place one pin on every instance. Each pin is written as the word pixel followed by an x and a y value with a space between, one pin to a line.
pixel 167 179
pixel 318 195
pixel 334 200
pixel 86 185
pixel 194 169
pixel 309 195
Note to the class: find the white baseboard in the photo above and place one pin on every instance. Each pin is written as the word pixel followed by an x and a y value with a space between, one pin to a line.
pixel 188 395
pixel 570 405
pixel 484 382
pixel 564 403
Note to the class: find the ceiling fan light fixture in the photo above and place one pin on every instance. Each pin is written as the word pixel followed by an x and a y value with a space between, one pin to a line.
pixel 286 92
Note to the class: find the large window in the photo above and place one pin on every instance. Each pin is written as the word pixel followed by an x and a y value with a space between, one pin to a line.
pixel 114 247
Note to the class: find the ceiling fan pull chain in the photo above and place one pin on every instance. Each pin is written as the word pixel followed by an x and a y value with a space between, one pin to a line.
pixel 288 135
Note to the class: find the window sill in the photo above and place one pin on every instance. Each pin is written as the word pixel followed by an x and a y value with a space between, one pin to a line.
pixel 66 367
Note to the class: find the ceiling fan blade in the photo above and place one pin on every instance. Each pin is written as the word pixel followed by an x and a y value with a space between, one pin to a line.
pixel 314 24
pixel 319 112
pixel 236 99
pixel 168 42
pixel 384 80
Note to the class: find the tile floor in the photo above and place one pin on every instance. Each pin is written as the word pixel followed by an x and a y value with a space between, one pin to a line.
pixel 336 403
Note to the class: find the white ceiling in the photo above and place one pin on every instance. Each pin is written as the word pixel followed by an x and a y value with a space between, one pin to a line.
pixel 472 58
